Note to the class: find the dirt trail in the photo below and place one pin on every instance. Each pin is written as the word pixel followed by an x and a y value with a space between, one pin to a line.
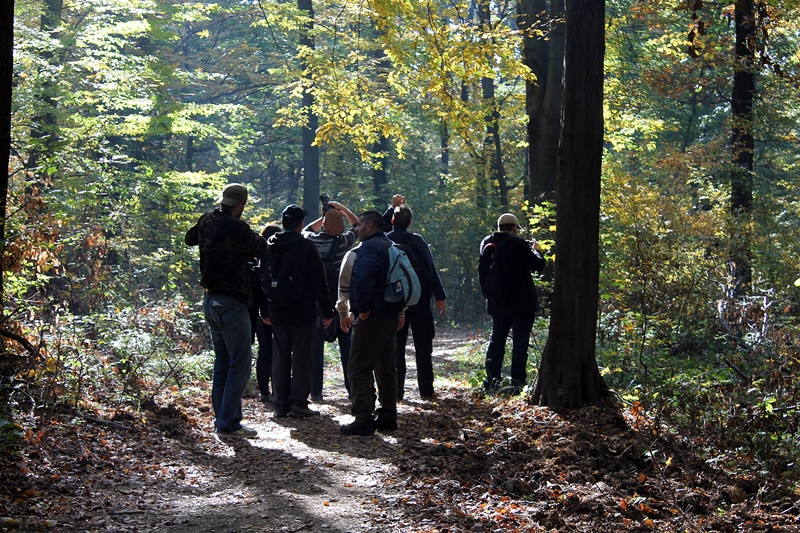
pixel 297 475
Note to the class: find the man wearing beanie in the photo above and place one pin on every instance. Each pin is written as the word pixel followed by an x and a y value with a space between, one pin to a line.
pixel 294 316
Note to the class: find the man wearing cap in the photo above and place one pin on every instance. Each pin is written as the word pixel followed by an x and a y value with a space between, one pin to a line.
pixel 517 309
pixel 332 241
pixel 227 244
pixel 294 326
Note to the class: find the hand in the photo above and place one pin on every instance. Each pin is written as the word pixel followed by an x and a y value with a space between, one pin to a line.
pixel 398 199
pixel 441 306
pixel 266 321
pixel 327 321
pixel 364 316
pixel 335 205
pixel 535 245
pixel 345 323
pixel 401 322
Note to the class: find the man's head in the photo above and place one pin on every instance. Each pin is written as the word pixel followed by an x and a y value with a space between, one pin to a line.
pixel 332 222
pixel 292 217
pixel 402 217
pixel 369 223
pixel 233 198
pixel 508 223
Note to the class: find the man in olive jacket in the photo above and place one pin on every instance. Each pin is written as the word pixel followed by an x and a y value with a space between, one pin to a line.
pixel 517 309
pixel 227 244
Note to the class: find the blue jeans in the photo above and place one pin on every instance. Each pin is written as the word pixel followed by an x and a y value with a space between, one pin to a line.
pixel 522 326
pixel 229 322
pixel 345 341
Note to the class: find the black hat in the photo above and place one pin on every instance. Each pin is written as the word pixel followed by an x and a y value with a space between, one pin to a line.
pixel 292 215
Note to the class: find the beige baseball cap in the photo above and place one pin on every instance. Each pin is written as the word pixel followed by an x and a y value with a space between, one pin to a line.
pixel 508 218
pixel 232 194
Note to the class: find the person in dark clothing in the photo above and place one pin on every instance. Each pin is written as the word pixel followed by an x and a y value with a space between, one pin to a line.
pixel 419 317
pixel 372 352
pixel 263 331
pixel 227 244
pixel 294 326
pixel 332 240
pixel 517 309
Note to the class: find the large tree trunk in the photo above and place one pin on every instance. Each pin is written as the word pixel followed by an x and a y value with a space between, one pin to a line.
pixel 310 150
pixel 742 144
pixel 6 72
pixel 568 375
pixel 544 55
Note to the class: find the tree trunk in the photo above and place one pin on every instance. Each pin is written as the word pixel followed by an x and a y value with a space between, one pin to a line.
pixel 444 164
pixel 742 145
pixel 493 171
pixel 544 55
pixel 44 129
pixel 6 72
pixel 379 176
pixel 310 150
pixel 568 375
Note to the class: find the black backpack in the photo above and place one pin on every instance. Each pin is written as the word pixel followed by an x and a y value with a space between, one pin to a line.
pixel 283 279
pixel 492 272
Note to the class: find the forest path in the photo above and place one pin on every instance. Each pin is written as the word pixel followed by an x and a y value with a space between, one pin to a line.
pixel 298 474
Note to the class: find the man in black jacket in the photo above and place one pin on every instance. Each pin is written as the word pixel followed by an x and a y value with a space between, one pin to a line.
pixel 517 308
pixel 294 325
pixel 227 244
pixel 419 317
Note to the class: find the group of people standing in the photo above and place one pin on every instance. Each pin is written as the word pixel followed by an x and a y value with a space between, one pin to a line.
pixel 339 286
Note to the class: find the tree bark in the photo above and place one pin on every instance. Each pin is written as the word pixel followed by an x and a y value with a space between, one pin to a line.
pixel 6 73
pixel 568 375
pixel 310 151
pixel 741 200
pixel 45 125
pixel 544 55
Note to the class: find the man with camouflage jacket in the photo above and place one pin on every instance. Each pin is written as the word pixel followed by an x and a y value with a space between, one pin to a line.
pixel 226 245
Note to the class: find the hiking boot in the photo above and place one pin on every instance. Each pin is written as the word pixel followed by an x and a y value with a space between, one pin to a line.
pixel 316 398
pixel 359 427
pixel 428 397
pixel 242 433
pixel 266 399
pixel 385 425
pixel 302 411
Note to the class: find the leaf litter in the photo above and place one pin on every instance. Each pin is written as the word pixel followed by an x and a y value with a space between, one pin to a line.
pixel 462 462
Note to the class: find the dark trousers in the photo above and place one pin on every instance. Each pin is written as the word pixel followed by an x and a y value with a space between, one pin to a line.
pixel 264 361
pixel 291 364
pixel 372 353
pixel 522 326
pixel 344 340
pixel 420 319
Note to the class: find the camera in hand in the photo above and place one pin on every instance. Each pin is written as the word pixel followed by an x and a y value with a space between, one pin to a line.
pixel 325 199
